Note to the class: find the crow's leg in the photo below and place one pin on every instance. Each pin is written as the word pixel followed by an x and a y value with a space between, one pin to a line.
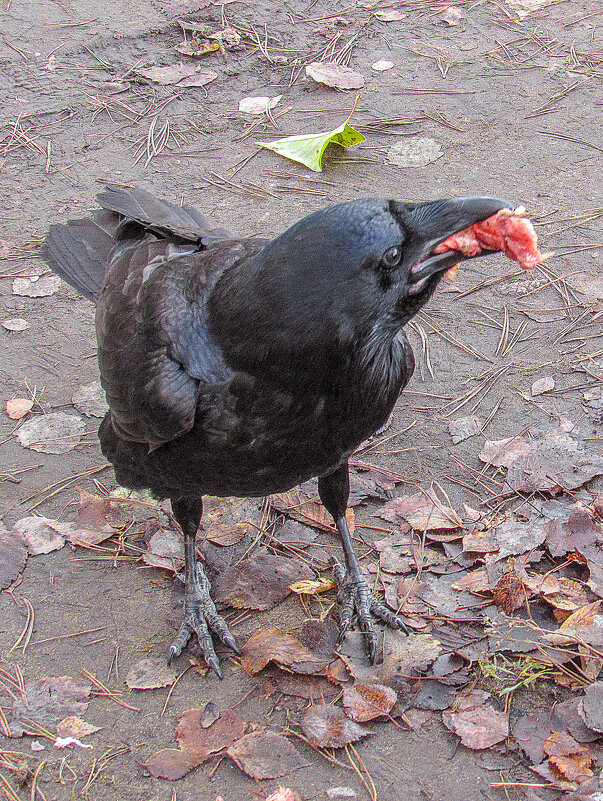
pixel 200 614
pixel 354 592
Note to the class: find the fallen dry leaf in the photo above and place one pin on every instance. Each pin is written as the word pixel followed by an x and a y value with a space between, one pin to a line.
pixel 36 287
pixel 568 759
pixel 98 519
pixel 149 674
pixel 524 7
pixel 258 105
pixel 452 15
pixel 591 706
pixel 464 427
pixel 265 755
pixel 260 581
pixel 18 407
pixel 516 538
pixel 555 461
pixel 276 645
pixel 13 556
pixel 179 75
pixel 307 509
pixel 227 534
pixel 196 743
pixel 328 727
pixel 414 151
pixel 390 15
pixel 577 532
pixel 543 385
pixel 382 65
pixel 502 452
pixel 47 701
pixel 75 727
pixel 364 702
pixel 335 75
pixel 41 534
pixel 478 725
pixel 15 324
pixel 510 592
pixel 165 549
pixel 56 432
pixel 312 587
pixel 423 510
pixel 90 400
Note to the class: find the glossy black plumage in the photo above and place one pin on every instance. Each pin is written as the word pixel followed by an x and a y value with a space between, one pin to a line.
pixel 242 366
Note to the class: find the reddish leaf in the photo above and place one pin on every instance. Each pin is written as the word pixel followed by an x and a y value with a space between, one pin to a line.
pixel 479 726
pixel 328 727
pixel 225 534
pixel 40 534
pixel 259 582
pixel 464 427
pixel 277 646
pixel 196 743
pixel 97 519
pixel 363 702
pixel 502 452
pixel 264 755
pixel 75 727
pixel 165 549
pixel 307 509
pixel 423 510
pixel 510 592
pixel 47 701
pixel 568 759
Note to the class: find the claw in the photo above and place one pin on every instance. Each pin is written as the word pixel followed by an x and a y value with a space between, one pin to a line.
pixel 355 596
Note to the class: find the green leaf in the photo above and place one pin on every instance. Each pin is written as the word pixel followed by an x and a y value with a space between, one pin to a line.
pixel 308 149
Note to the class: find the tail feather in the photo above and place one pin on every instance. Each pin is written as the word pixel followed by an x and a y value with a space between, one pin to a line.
pixel 79 253
pixel 159 215
pixel 81 250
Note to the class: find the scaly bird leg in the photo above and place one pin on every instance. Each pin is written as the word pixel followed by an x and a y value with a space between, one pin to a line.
pixel 354 593
pixel 200 615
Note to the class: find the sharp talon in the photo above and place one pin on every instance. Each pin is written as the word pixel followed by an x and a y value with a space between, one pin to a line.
pixel 214 664
pixel 171 654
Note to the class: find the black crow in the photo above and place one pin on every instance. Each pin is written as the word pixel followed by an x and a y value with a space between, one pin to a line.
pixel 243 367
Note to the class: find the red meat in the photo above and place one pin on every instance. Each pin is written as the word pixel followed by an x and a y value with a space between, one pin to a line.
pixel 508 231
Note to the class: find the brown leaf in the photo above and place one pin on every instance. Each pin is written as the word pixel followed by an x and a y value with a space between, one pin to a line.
pixel 40 534
pixel 165 549
pixel 313 688
pixel 196 743
pixel 47 701
pixel 591 707
pixel 149 674
pixel 18 407
pixel 464 427
pixel 363 702
pixel 307 509
pixel 510 592
pixel 275 645
pixel 515 538
pixel 533 730
pixel 423 510
pixel 13 556
pixel 75 727
pixel 97 519
pixel 264 755
pixel 502 452
pixel 179 75
pixel 480 542
pixel 335 75
pixel 578 531
pixel 227 534
pixel 556 461
pixel 328 727
pixel 259 582
pixel 478 726
pixel 568 759
pixel 56 432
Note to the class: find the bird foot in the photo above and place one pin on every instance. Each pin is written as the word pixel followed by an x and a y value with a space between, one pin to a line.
pixel 356 597
pixel 201 618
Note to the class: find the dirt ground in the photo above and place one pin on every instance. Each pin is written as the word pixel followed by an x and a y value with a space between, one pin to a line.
pixel 515 105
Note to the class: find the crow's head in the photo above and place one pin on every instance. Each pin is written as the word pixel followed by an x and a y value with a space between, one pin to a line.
pixel 343 273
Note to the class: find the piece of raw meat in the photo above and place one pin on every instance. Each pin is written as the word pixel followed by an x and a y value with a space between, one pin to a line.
pixel 508 231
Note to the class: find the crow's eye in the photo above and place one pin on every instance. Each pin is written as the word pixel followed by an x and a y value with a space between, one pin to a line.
pixel 392 256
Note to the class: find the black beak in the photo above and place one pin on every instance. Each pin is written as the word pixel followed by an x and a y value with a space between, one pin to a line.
pixel 428 224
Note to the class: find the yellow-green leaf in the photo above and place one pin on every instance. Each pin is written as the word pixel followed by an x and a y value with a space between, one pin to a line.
pixel 308 149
